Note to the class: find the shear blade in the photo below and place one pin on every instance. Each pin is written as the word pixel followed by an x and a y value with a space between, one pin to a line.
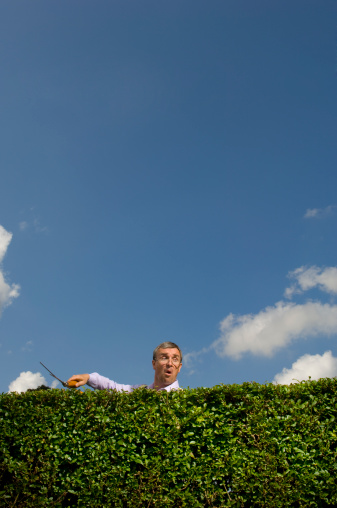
pixel 50 372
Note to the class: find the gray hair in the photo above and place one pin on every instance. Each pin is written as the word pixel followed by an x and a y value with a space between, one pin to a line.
pixel 167 345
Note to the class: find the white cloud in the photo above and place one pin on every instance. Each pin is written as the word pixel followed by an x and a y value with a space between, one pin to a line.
pixel 277 326
pixel 27 380
pixel 319 213
pixel 313 366
pixel 7 291
pixel 5 240
pixel 274 328
pixel 308 278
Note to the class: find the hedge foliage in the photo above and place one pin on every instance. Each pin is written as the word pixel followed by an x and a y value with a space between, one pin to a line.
pixel 231 445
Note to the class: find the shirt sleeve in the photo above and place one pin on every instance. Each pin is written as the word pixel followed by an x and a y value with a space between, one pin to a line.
pixel 103 383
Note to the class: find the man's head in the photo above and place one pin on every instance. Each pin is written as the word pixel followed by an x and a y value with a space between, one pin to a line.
pixel 167 362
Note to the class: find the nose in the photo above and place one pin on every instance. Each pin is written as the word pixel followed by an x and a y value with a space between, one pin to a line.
pixel 169 361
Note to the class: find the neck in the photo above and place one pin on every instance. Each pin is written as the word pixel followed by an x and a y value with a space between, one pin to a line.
pixel 158 385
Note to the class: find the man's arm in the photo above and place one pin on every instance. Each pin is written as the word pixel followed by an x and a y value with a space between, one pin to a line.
pixel 100 382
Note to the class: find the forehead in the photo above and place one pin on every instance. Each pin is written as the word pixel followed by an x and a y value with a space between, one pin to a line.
pixel 170 351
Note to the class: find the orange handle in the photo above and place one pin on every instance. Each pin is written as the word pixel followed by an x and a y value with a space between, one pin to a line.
pixel 72 384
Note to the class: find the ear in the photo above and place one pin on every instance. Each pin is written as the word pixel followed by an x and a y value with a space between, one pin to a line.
pixel 153 364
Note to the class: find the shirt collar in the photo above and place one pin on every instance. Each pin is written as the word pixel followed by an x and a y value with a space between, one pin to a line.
pixel 172 386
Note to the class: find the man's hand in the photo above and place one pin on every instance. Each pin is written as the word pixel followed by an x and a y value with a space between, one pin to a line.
pixel 80 379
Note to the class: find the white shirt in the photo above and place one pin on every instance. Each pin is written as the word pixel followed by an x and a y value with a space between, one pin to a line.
pixel 103 383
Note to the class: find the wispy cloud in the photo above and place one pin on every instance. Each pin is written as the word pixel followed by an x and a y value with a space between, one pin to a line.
pixel 27 380
pixel 7 291
pixel 310 277
pixel 32 223
pixel 190 359
pixel 38 227
pixel 28 346
pixel 23 225
pixel 320 213
pixel 313 366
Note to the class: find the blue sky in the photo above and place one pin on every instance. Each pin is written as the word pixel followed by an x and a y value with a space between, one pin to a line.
pixel 168 172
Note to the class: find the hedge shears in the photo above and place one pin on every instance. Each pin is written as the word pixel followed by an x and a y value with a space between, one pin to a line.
pixel 72 384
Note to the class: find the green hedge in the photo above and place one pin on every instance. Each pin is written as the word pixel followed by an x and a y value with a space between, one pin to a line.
pixel 235 445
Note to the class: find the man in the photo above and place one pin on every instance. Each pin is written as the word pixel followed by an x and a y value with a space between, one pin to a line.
pixel 167 362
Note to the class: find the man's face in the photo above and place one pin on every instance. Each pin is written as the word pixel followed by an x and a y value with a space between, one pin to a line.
pixel 167 366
